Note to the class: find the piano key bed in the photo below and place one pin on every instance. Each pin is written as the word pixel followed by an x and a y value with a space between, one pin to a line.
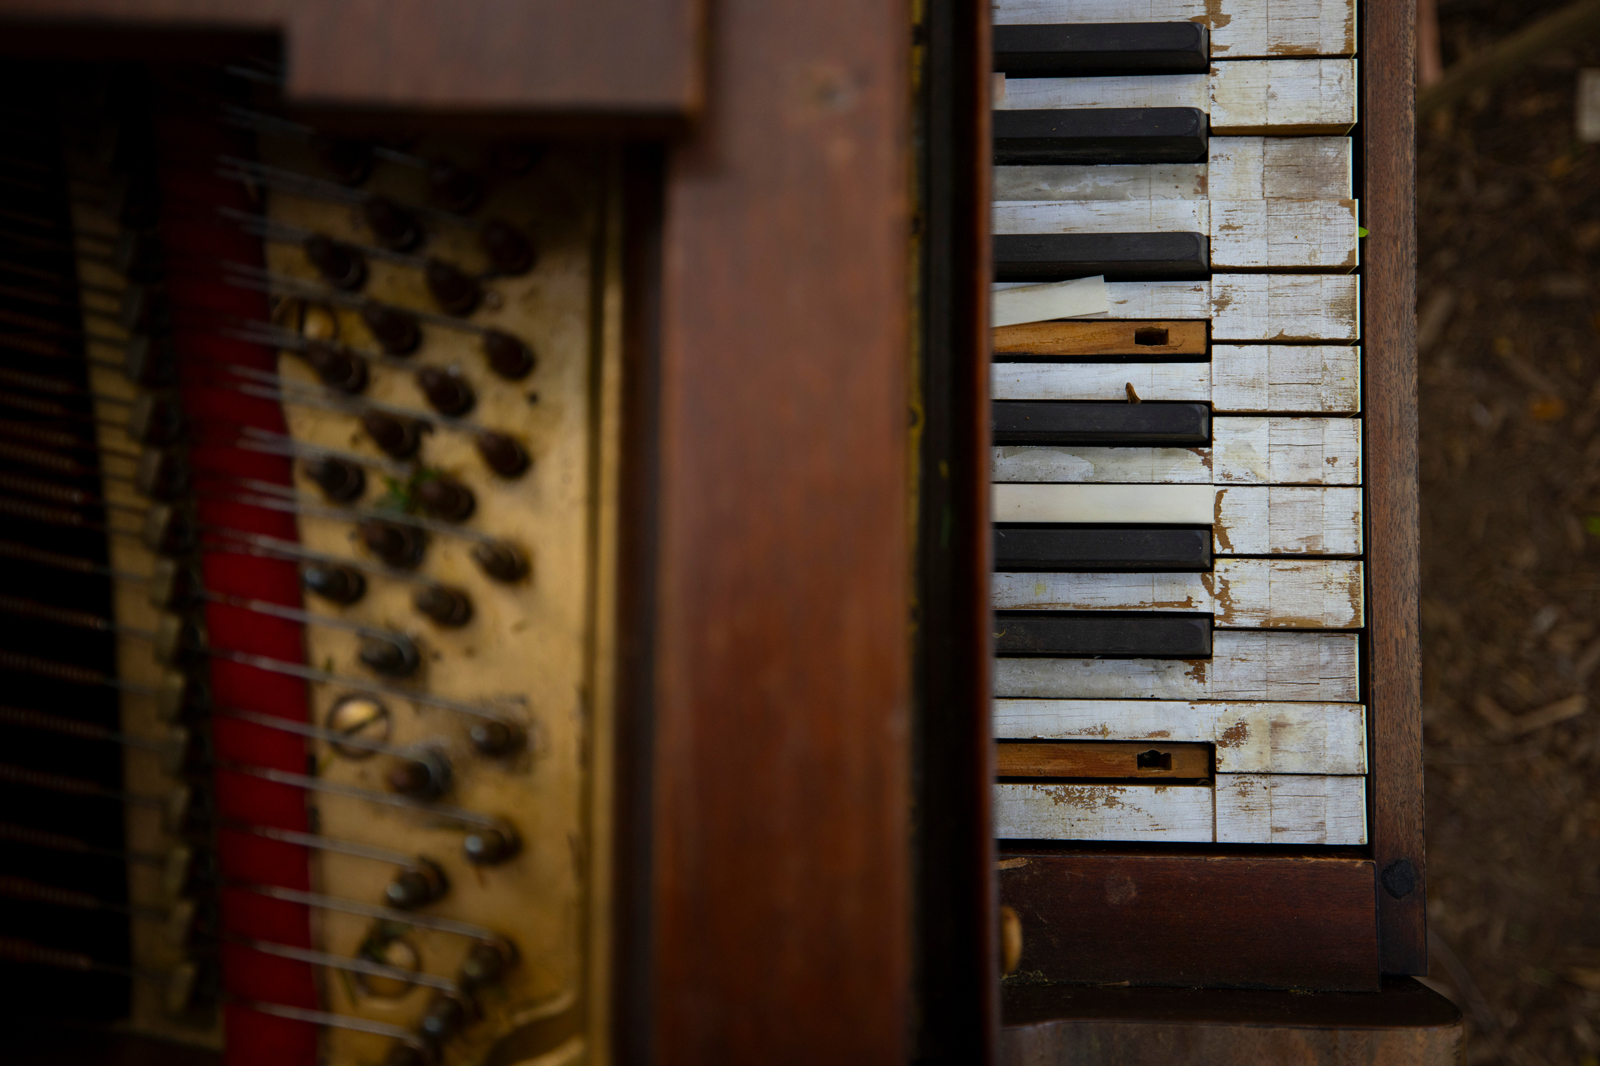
pixel 1178 491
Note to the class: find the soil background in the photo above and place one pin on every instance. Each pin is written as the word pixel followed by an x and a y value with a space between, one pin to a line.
pixel 1509 339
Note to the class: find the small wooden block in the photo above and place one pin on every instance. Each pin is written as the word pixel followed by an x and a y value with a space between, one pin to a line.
pixel 1132 505
pixel 1281 28
pixel 1281 307
pixel 1245 665
pixel 1250 737
pixel 1104 759
pixel 1170 813
pixel 1291 809
pixel 1102 338
pixel 1270 450
pixel 1238 593
pixel 1287 520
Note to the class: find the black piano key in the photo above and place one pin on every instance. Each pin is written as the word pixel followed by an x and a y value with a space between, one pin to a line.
pixel 1119 256
pixel 1177 425
pixel 1100 135
pixel 1102 49
pixel 1102 633
pixel 1128 550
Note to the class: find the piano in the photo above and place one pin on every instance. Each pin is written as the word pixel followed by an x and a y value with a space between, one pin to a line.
pixel 599 535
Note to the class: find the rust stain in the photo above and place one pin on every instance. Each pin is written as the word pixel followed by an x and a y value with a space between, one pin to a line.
pixel 1158 734
pixel 1216 18
pixel 1219 530
pixel 1234 736
pixel 1221 591
pixel 1196 671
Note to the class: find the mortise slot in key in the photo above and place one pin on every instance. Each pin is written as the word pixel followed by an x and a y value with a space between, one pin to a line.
pixel 1069 341
pixel 1150 336
pixel 1101 759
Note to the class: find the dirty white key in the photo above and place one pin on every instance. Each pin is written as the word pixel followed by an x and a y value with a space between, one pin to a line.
pixel 1287 520
pixel 1270 450
pixel 1322 378
pixel 1278 28
pixel 1249 96
pixel 1238 593
pixel 1248 307
pixel 1291 809
pixel 1171 813
pixel 1166 505
pixel 1244 665
pixel 1250 737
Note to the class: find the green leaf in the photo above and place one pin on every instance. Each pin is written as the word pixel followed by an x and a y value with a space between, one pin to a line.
pixel 1361 231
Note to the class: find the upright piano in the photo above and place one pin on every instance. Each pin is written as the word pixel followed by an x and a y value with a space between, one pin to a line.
pixel 659 532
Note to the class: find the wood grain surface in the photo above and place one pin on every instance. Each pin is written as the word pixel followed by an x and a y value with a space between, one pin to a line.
pixel 1102 338
pixel 1109 759
pixel 1402 1023
pixel 1217 921
pixel 781 870
pixel 637 57
pixel 1390 326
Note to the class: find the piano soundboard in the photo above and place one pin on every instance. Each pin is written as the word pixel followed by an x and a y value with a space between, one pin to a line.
pixel 303 461
pixel 1179 587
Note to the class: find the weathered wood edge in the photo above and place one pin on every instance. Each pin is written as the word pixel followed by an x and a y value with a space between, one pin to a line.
pixel 1389 313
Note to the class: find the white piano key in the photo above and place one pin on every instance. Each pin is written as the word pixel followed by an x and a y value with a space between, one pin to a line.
pixel 1279 377
pixel 1279 168
pixel 1239 168
pixel 1081 464
pixel 1279 28
pixel 1250 737
pixel 1244 665
pixel 1081 297
pixel 1102 381
pixel 1276 450
pixel 1283 234
pixel 1103 216
pixel 1290 809
pixel 1158 299
pixel 1171 813
pixel 1282 307
pixel 1250 96
pixel 1238 593
pixel 1287 520
pixel 1159 181
pixel 1166 505
pixel 1239 378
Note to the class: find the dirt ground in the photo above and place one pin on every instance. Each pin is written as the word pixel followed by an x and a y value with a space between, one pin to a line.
pixel 1509 301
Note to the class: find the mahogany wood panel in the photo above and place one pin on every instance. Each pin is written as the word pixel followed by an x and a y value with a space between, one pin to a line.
pixel 1099 758
pixel 1403 1023
pixel 1393 538
pixel 1220 921
pixel 781 868
pixel 639 57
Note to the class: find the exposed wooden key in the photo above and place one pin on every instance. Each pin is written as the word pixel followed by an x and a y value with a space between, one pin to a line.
pixel 1103 759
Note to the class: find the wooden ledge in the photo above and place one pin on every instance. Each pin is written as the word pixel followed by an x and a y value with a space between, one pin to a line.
pixel 1053 1025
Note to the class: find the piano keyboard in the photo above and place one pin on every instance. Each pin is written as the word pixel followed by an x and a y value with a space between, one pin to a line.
pixel 1178 489
pixel 303 466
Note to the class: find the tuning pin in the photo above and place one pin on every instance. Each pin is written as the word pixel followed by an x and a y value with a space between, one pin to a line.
pixel 336 584
pixel 446 498
pixel 447 391
pixel 349 162
pixel 396 332
pixel 503 454
pixel 392 227
pixel 509 250
pixel 161 473
pixel 155 418
pixel 494 737
pixel 501 561
pixel 177 870
pixel 340 480
pixel 177 810
pixel 453 188
pixel 444 1018
pixel 340 265
pixel 398 546
pixel 448 607
pixel 486 963
pixel 486 846
pixel 508 357
pixel 452 290
pixel 178 928
pixel 417 886
pixel 398 437
pixel 150 361
pixel 426 777
pixel 392 658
